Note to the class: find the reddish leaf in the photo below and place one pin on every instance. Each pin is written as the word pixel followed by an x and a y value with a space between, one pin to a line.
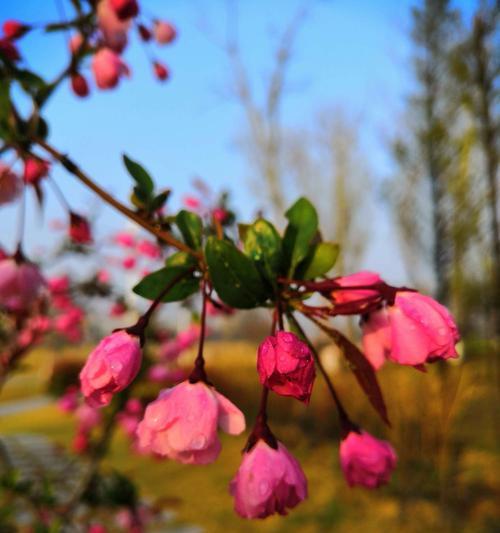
pixel 363 370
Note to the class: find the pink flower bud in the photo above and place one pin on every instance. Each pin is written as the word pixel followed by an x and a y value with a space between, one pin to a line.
pixel 286 366
pixel 88 418
pixel 79 85
pixel 363 278
pixel 365 460
pixel 79 229
pixel 103 276
pixel 20 284
pixel 192 202
pixel 58 284
pixel 108 68
pixel 10 184
pixel 69 324
pixel 161 71
pixel 13 29
pixel 129 262
pixel 181 423
pixel 80 443
pixel 35 169
pixel 125 9
pixel 164 32
pixel 125 239
pixel 117 309
pixel 413 331
pixel 220 214
pixel 110 368
pixel 268 481
pixel 149 249
pixel 114 31
pixel 75 43
pixel 97 528
pixel 68 402
pixel 9 50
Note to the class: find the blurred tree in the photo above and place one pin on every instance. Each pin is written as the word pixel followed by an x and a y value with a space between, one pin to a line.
pixel 322 160
pixel 425 153
pixel 476 70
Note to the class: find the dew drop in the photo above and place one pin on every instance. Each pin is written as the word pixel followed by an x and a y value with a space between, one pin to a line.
pixel 198 442
pixel 263 488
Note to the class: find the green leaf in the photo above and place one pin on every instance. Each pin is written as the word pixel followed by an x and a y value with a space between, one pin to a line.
pixel 234 276
pixel 153 284
pixel 145 185
pixel 319 261
pixel 263 245
pixel 191 227
pixel 159 201
pixel 180 259
pixel 302 227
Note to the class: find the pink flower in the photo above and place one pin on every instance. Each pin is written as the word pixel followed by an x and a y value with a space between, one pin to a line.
pixel 75 43
pixel 34 330
pixel 149 249
pixel 286 366
pixel 114 31
pixel 125 239
pixel 129 418
pixel 164 32
pixel 108 68
pixel 413 331
pixel 125 9
pixel 363 278
pixel 69 324
pixel 35 169
pixel 103 276
pixel 88 418
pixel 189 336
pixel 117 309
pixel 13 29
pixel 20 284
pixel 58 284
pixel 365 460
pixel 181 423
pixel 110 368
pixel 161 71
pixel 68 402
pixel 192 202
pixel 129 262
pixel 220 214
pixel 79 85
pixel 161 374
pixel 10 184
pixel 79 229
pixel 268 481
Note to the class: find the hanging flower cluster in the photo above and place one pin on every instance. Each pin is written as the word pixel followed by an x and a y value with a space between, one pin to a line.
pixel 198 253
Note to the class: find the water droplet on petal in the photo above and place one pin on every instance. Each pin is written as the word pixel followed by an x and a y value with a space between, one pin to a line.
pixel 198 442
pixel 263 488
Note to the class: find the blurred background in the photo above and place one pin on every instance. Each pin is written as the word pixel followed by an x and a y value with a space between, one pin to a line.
pixel 386 115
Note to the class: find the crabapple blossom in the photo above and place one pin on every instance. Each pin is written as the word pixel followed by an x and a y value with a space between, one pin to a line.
pixel 414 330
pixel 20 284
pixel 164 32
pixel 286 366
pixel 268 481
pixel 108 67
pixel 365 460
pixel 182 422
pixel 111 367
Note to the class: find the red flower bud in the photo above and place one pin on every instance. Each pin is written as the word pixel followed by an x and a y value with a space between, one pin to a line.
pixel 79 85
pixel 161 71
pixel 125 9
pixel 79 229
pixel 165 32
pixel 144 32
pixel 13 29
pixel 9 50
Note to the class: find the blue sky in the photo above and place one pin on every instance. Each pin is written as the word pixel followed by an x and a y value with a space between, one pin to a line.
pixel 352 54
